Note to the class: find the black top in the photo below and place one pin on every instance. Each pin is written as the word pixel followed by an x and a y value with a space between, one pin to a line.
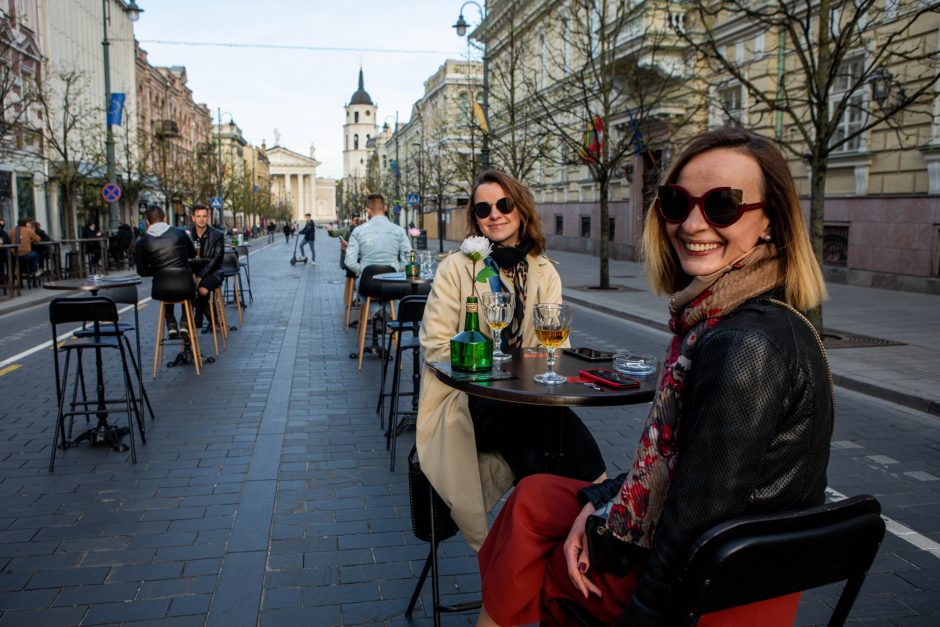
pixel 173 249
pixel 211 248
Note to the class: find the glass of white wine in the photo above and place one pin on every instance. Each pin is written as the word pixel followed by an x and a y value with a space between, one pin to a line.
pixel 498 308
pixel 552 325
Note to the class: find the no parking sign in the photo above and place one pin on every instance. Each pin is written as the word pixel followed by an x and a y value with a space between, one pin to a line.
pixel 111 192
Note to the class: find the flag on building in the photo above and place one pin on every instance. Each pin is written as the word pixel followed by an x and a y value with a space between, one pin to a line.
pixel 593 144
pixel 481 118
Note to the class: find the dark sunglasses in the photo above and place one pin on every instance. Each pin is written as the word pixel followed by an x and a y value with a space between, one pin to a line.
pixel 721 206
pixel 482 210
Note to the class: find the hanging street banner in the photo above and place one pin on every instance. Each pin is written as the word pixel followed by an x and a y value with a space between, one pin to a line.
pixel 116 109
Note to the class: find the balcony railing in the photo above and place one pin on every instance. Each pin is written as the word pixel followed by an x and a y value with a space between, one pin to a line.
pixel 167 129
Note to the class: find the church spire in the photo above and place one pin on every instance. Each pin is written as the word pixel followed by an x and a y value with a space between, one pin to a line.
pixel 361 82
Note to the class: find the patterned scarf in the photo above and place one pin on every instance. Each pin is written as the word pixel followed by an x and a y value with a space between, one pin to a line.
pixel 512 261
pixel 639 504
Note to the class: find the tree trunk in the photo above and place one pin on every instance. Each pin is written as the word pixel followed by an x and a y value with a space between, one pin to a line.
pixel 604 248
pixel 817 205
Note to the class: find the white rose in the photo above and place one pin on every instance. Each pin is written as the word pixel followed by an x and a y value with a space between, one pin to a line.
pixel 476 248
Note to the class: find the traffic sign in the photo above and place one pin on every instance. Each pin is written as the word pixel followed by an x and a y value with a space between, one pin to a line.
pixel 111 192
pixel 413 200
pixel 215 202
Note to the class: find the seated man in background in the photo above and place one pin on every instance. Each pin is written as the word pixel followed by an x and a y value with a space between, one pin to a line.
pixel 162 247
pixel 210 246
pixel 25 237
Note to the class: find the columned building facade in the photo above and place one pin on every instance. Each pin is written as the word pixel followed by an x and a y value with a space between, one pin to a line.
pixel 294 180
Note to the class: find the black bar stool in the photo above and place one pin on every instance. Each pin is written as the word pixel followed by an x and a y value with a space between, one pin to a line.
pixel 174 286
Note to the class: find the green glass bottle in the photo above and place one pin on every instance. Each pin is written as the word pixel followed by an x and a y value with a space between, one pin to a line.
pixel 412 268
pixel 471 350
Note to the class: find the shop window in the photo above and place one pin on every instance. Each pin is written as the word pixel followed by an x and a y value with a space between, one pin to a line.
pixel 585 226
pixel 559 224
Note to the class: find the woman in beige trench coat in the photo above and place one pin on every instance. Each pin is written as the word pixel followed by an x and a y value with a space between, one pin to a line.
pixel 471 482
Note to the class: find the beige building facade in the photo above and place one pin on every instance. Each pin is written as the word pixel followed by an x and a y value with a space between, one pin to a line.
pixel 294 181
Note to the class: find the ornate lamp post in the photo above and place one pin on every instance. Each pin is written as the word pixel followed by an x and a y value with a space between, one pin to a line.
pixel 461 27
pixel 222 168
pixel 133 14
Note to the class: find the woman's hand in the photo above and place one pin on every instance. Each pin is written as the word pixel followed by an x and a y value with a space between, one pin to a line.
pixel 576 554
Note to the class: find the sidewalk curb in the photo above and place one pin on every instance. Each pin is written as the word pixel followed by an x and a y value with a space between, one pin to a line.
pixel 863 387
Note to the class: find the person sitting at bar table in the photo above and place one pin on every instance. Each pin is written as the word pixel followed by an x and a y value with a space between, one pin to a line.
pixel 164 246
pixel 741 421
pixel 210 246
pixel 470 448
pixel 25 237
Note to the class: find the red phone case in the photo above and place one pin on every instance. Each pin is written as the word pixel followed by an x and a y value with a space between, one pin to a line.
pixel 599 378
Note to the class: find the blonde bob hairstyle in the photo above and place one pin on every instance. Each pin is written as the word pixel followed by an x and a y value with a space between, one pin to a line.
pixel 520 199
pixel 803 282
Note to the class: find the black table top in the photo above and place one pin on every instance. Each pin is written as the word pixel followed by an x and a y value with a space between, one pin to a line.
pixel 399 277
pixel 70 285
pixel 523 389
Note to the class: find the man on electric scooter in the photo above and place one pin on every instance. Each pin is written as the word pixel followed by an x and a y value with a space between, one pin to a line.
pixel 309 232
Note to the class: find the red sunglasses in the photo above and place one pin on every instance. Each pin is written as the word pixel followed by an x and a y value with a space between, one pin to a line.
pixel 721 206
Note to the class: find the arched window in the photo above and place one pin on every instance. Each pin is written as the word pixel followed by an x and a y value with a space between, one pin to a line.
pixel 368 137
pixel 356 117
pixel 346 143
pixel 356 141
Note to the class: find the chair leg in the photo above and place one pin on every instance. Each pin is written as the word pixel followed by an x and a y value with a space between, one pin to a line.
pixel 220 318
pixel 131 409
pixel 347 301
pixel 158 347
pixel 193 337
pixel 363 321
pixel 380 406
pixel 60 416
pixel 238 301
pixel 215 337
pixel 144 399
pixel 419 586
pixel 390 442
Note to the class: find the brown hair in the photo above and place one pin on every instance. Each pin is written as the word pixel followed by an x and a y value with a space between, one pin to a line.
pixel 521 200
pixel 198 208
pixel 803 281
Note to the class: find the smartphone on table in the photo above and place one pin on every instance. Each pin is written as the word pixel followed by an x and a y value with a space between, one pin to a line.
pixel 610 378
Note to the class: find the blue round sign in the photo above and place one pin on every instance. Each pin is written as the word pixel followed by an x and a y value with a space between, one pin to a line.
pixel 111 192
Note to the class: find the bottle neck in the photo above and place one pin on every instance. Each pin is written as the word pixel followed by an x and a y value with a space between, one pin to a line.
pixel 471 321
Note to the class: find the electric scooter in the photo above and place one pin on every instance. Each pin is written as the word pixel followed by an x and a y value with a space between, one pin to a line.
pixel 294 258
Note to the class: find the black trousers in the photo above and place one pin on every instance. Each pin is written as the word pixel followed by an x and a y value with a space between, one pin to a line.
pixel 210 282
pixel 522 435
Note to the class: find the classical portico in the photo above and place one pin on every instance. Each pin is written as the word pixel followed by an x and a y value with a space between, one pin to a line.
pixel 294 179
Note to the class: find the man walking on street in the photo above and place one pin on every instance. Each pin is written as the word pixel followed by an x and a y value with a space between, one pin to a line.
pixel 162 247
pixel 309 232
pixel 210 246
pixel 286 230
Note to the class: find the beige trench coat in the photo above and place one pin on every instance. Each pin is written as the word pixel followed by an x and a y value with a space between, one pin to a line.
pixel 470 483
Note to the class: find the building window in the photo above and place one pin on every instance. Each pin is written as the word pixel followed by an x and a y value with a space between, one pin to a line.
pixel 384 162
pixel 732 105
pixel 356 117
pixel 559 224
pixel 585 226
pixel 848 137
pixel 610 226
pixel 836 244
pixel 356 141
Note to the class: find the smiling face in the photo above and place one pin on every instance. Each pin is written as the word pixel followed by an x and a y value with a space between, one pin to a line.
pixel 201 218
pixel 701 248
pixel 499 228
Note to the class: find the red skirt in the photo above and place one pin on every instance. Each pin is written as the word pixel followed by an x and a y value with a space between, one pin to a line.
pixel 525 576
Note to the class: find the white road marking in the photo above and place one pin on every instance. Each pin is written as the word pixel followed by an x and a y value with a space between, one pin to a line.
pixel 902 531
pixel 884 460
pixel 920 475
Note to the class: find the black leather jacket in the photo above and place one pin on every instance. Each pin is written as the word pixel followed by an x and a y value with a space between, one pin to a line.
pixel 211 247
pixel 755 424
pixel 173 249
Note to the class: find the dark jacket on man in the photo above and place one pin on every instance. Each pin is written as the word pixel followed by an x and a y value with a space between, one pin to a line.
pixel 171 249
pixel 309 231
pixel 211 247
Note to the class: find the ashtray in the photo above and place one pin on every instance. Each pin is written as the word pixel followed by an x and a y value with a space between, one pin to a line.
pixel 634 363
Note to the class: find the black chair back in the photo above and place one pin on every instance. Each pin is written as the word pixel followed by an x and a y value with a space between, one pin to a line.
pixel 369 287
pixel 242 251
pixel 230 263
pixel 411 309
pixel 77 309
pixel 762 557
pixel 125 294
pixel 172 285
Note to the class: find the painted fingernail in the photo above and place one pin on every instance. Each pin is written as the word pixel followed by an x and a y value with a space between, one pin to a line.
pixel 582 567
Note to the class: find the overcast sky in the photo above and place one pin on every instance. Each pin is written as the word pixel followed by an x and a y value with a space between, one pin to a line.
pixel 302 92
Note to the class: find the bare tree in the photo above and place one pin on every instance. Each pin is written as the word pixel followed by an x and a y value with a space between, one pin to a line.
pixel 71 137
pixel 837 78
pixel 614 89
pixel 19 95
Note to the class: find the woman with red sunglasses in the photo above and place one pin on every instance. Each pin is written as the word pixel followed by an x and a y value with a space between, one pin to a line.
pixel 742 418
pixel 473 449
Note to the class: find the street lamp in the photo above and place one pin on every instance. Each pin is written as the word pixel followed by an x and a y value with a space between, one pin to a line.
pixel 397 162
pixel 461 27
pixel 133 14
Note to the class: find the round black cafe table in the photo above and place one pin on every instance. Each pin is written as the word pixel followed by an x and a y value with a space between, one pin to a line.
pixel 525 364
pixel 400 278
pixel 103 432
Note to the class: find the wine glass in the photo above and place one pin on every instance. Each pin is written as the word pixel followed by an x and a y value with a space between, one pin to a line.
pixel 498 308
pixel 552 324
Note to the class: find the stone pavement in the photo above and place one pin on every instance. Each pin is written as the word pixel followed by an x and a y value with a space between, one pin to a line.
pixel 263 495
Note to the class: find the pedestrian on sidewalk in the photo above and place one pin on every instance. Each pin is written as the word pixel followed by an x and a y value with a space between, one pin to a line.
pixel 286 230
pixel 742 418
pixel 452 427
